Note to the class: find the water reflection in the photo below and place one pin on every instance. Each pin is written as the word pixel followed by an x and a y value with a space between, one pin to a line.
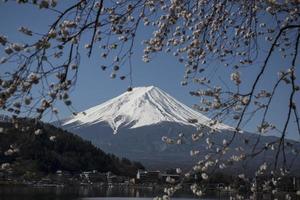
pixel 75 193
pixel 130 198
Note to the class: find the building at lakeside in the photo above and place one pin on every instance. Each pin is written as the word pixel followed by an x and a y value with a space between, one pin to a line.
pixel 147 176
pixel 155 177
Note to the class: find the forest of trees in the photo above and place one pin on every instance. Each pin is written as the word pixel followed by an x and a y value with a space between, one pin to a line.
pixel 51 149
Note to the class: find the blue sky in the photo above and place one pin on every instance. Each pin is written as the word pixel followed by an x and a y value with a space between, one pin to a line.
pixel 95 86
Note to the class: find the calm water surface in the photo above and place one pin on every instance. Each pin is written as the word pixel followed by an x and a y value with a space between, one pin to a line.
pixel 134 198
pixel 128 198
pixel 86 193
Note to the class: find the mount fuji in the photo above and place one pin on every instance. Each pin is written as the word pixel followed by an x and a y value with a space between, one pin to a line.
pixel 132 125
pixel 143 106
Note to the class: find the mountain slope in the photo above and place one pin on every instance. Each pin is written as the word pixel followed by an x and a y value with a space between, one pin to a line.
pixel 55 149
pixel 141 107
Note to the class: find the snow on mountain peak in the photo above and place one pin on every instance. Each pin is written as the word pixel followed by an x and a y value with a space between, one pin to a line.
pixel 140 107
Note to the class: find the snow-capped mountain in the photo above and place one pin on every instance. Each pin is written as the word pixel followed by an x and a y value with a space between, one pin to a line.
pixel 132 125
pixel 143 106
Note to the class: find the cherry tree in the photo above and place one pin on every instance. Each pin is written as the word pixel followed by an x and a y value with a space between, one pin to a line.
pixel 202 35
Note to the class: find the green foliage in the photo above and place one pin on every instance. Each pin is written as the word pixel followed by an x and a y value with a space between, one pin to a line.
pixel 67 152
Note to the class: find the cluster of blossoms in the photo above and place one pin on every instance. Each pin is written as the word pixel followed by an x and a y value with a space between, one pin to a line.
pixel 41 3
pixel 38 132
pixel 204 167
pixel 12 150
pixel 52 138
pixel 53 60
pixel 5 166
pixel 169 191
pixel 265 127
pixel 178 140
pixel 196 32
pixel 197 190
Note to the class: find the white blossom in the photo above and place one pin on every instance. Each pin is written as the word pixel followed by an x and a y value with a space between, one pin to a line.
pixel 9 152
pixel 204 176
pixel 194 152
pixel 170 180
pixel 3 40
pixel 38 132
pixel 25 30
pixel 8 50
pixel 178 171
pixel 235 77
pixel 5 166
pixel 241 176
pixel 3 60
pixel 52 138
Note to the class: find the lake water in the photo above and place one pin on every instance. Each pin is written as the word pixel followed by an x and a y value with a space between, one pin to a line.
pixel 128 198
pixel 134 198
pixel 86 193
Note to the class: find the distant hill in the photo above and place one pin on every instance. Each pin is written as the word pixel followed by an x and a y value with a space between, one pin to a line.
pixel 51 149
